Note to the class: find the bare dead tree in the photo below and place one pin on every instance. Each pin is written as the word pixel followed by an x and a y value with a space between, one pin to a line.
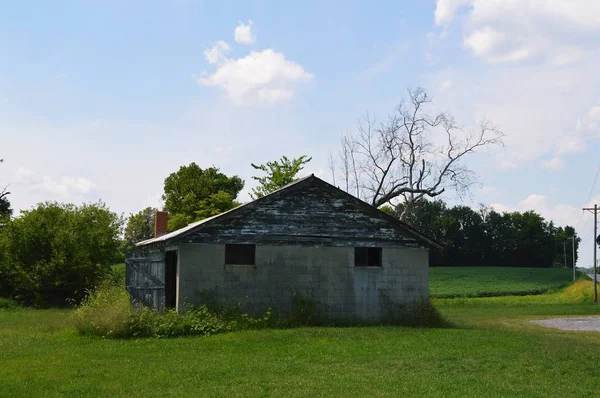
pixel 332 166
pixel 412 155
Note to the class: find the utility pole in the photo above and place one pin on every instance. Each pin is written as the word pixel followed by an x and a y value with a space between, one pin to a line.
pixel 565 253
pixel 595 210
pixel 573 245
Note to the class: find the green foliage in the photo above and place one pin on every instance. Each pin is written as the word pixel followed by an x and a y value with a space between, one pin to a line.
pixel 191 194
pixel 117 274
pixel 107 312
pixel 104 311
pixel 52 253
pixel 388 210
pixel 140 226
pixel 279 173
pixel 5 209
pixel 488 238
pixel 8 304
pixel 495 281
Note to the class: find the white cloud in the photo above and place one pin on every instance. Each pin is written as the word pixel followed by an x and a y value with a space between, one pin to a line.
pixel 217 52
pixel 445 10
pixel 263 77
pixel 556 163
pixel 561 214
pixel 483 41
pixel 25 175
pixel 593 117
pixel 243 33
pixel 446 85
pixel 63 187
pixel 515 30
pixel 499 207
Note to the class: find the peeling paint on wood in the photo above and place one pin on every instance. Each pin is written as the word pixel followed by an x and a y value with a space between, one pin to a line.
pixel 311 215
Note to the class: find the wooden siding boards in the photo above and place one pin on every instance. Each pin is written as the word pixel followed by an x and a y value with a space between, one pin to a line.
pixel 311 213
pixel 145 278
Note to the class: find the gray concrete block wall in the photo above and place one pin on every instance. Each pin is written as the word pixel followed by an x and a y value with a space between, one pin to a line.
pixel 326 275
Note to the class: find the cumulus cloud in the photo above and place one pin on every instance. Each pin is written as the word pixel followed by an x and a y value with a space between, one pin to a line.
pixel 561 214
pixel 260 77
pixel 515 30
pixel 63 187
pixel 243 33
pixel 542 90
pixel 556 163
pixel 217 52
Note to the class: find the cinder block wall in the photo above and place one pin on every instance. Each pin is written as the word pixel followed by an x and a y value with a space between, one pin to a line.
pixel 326 275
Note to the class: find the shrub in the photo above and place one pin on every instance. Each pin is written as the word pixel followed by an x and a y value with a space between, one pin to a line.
pixel 7 304
pixel 107 312
pixel 55 252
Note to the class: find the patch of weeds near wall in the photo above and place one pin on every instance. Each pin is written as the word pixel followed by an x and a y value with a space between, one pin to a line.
pixel 107 312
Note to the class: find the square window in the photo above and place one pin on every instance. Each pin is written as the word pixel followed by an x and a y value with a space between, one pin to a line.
pixel 240 254
pixel 367 256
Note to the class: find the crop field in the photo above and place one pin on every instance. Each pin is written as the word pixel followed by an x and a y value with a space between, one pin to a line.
pixel 495 281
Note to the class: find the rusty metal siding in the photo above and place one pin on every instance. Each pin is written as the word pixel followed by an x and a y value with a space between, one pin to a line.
pixel 307 216
pixel 145 278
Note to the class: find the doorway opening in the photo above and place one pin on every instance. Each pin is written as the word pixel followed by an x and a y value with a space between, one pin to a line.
pixel 171 279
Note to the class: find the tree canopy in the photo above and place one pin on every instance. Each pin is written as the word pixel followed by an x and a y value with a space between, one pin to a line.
pixel 488 238
pixel 140 226
pixel 54 252
pixel 5 209
pixel 192 194
pixel 279 173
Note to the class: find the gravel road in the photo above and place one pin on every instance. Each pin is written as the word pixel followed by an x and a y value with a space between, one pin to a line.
pixel 587 323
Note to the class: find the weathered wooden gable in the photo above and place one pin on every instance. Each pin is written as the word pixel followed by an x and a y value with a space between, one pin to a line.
pixel 312 212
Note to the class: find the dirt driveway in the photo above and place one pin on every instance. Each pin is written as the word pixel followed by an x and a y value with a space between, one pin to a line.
pixel 586 323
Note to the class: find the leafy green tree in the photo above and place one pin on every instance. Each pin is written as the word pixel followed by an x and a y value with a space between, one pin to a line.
pixel 140 226
pixel 279 173
pixel 54 253
pixel 5 209
pixel 487 238
pixel 191 194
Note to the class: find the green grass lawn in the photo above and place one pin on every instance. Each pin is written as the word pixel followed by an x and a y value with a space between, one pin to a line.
pixel 489 351
pixel 495 281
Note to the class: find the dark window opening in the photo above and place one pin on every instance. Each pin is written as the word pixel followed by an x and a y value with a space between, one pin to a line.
pixel 171 279
pixel 240 254
pixel 367 256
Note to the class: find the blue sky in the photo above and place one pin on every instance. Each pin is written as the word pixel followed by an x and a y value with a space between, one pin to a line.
pixel 105 99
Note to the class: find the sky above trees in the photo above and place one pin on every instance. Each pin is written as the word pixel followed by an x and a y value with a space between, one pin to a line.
pixel 104 100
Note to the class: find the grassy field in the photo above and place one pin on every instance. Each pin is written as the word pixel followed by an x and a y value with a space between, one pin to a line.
pixel 495 281
pixel 490 350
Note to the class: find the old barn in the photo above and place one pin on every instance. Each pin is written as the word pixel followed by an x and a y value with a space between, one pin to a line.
pixel 354 261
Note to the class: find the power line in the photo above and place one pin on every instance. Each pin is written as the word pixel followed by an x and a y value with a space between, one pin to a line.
pixel 588 198
pixel 593 185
